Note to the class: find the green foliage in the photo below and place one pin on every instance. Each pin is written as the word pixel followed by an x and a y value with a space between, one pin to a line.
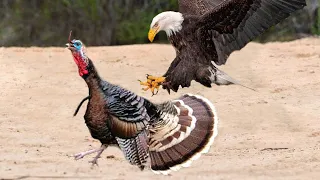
pixel 318 22
pixel 105 22
pixel 316 27
pixel 134 29
pixel 131 32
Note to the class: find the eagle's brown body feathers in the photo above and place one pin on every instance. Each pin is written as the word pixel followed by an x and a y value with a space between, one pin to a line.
pixel 213 29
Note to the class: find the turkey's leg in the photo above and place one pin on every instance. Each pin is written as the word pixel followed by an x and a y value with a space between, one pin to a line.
pixel 94 161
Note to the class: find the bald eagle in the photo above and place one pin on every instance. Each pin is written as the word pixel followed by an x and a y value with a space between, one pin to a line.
pixel 206 31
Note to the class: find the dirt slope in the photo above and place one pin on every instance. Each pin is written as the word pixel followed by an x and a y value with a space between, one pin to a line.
pixel 41 89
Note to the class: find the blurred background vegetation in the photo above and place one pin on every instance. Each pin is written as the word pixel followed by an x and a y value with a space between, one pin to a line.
pixel 114 22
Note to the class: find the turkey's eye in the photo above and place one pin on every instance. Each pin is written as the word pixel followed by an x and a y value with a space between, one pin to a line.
pixel 77 44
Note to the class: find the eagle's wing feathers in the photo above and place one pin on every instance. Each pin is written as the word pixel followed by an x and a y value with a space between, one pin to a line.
pixel 197 7
pixel 234 23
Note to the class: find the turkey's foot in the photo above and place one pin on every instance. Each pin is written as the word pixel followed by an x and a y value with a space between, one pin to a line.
pixel 95 159
pixel 153 83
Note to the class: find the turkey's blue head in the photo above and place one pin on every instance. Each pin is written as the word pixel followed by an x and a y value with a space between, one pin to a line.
pixel 77 49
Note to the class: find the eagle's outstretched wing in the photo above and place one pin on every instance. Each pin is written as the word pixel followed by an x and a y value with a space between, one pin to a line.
pixel 197 7
pixel 234 23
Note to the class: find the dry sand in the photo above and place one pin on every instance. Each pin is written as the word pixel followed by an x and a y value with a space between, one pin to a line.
pixel 41 89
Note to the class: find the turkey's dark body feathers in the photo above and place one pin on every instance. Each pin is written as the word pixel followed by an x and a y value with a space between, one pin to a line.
pixel 96 118
pixel 186 126
pixel 117 116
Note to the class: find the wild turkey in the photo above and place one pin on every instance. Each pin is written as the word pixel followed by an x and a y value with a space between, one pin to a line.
pixel 172 134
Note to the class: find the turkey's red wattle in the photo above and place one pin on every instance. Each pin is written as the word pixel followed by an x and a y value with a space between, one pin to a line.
pixel 82 65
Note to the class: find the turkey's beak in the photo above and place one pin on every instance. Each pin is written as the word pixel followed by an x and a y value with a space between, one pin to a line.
pixel 152 33
pixel 70 46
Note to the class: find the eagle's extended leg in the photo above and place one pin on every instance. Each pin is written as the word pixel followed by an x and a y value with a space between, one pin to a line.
pixel 152 83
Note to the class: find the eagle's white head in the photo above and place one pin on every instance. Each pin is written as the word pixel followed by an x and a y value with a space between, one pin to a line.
pixel 168 21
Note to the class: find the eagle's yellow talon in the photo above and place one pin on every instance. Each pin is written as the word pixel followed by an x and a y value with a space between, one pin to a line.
pixel 152 90
pixel 157 79
pixel 160 79
pixel 144 83
pixel 153 83
pixel 149 81
pixel 157 90
pixel 151 77
pixel 146 88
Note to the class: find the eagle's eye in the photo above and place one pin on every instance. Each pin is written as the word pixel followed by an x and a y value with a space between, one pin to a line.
pixel 156 25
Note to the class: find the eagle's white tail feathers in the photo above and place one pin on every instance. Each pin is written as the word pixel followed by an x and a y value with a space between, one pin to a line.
pixel 221 78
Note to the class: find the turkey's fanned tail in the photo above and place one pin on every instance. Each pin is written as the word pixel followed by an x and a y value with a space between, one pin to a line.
pixel 135 149
pixel 180 138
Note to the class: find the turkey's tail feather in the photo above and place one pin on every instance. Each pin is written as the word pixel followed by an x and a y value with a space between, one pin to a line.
pixel 79 106
pixel 135 149
pixel 181 137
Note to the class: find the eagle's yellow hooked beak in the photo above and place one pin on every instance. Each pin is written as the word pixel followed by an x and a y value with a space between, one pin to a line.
pixel 152 33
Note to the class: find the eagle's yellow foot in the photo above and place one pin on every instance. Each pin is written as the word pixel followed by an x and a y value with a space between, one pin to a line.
pixel 158 80
pixel 153 83
pixel 147 83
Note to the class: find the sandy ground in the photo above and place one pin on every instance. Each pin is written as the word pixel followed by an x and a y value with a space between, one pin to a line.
pixel 41 89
